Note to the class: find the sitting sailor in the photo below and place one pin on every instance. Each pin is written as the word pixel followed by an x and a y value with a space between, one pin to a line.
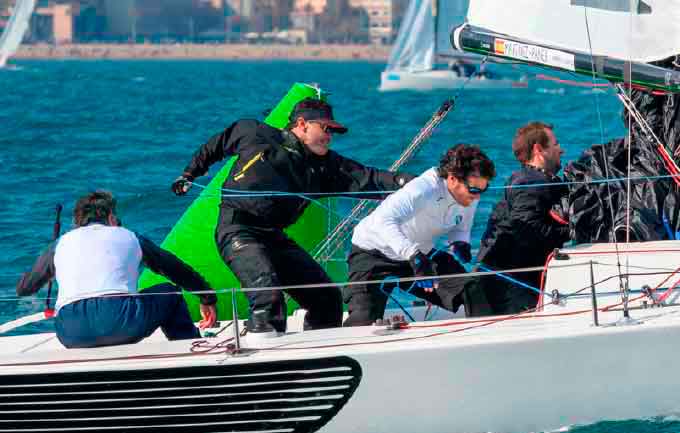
pixel 397 240
pixel 97 265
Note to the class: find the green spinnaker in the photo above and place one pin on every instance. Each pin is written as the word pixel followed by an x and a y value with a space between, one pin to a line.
pixel 192 239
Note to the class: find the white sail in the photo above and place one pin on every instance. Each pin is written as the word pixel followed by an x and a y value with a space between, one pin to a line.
pixel 637 30
pixel 16 28
pixel 424 34
pixel 414 48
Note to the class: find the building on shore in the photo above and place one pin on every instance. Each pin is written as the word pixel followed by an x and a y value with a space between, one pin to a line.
pixel 170 21
pixel 53 23
pixel 380 17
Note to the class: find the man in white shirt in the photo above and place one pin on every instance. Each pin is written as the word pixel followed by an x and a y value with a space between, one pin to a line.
pixel 97 266
pixel 397 240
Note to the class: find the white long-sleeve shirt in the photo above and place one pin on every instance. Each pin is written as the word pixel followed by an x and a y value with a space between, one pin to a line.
pixel 413 218
pixel 96 260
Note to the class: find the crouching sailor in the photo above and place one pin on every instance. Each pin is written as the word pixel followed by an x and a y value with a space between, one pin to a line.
pixel 250 232
pixel 96 266
pixel 398 239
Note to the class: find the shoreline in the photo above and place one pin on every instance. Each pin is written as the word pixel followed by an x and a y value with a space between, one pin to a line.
pixel 378 53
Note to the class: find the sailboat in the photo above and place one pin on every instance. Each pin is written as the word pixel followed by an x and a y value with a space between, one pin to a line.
pixel 599 346
pixel 422 49
pixel 15 30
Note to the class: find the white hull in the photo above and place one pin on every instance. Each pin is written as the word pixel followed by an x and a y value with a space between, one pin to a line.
pixel 535 373
pixel 520 376
pixel 440 79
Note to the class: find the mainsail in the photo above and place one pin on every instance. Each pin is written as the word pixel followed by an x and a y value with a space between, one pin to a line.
pixel 635 30
pixel 16 28
pixel 570 37
pixel 424 34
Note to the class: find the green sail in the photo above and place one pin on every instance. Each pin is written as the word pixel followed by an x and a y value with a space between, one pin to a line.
pixel 192 238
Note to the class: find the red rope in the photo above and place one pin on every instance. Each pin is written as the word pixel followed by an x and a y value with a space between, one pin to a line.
pixel 628 251
pixel 541 289
pixel 571 82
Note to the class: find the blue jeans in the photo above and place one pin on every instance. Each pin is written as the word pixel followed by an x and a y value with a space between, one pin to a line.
pixel 112 320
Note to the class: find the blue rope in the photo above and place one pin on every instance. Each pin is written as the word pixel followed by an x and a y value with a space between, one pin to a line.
pixel 232 193
pixel 512 280
pixel 486 269
pixel 247 194
pixel 382 289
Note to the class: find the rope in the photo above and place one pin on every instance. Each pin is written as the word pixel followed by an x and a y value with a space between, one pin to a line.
pixel 604 154
pixel 348 194
pixel 323 285
pixel 22 321
pixel 377 282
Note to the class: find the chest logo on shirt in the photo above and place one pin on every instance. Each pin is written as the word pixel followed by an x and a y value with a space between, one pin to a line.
pixel 458 219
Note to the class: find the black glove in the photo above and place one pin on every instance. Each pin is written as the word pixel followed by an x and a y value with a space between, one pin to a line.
pixel 462 250
pixel 182 184
pixel 423 267
pixel 560 212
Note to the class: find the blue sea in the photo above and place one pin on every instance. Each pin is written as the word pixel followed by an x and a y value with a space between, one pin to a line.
pixel 130 127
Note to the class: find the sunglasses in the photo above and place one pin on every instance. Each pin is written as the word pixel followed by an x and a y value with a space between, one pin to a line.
pixel 324 127
pixel 474 189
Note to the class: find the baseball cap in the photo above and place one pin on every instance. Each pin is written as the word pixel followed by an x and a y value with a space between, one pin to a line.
pixel 317 110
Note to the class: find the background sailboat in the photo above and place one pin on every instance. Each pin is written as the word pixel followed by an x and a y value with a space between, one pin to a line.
pixel 16 29
pixel 422 57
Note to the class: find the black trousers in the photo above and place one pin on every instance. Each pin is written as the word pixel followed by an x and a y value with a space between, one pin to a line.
pixel 494 295
pixel 368 301
pixel 266 257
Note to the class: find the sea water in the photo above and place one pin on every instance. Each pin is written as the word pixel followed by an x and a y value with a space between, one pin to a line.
pixel 130 127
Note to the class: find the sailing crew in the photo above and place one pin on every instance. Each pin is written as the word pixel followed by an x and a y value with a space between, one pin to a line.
pixel 250 230
pixel 399 238
pixel 524 228
pixel 97 265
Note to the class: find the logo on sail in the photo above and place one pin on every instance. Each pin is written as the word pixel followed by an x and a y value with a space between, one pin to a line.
pixel 534 54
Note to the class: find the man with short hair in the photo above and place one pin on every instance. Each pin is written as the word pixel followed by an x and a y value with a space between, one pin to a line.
pixel 97 266
pixel 525 226
pixel 285 164
pixel 397 239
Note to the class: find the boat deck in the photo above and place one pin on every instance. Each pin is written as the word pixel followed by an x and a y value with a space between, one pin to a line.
pixel 34 352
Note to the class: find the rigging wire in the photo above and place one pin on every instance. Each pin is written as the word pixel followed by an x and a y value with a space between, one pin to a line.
pixel 335 240
pixel 604 153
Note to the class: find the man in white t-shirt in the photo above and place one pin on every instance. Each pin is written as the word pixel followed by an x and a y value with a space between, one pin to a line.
pixel 398 239
pixel 96 266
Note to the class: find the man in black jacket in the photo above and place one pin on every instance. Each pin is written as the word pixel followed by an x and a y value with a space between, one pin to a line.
pixel 294 161
pixel 526 225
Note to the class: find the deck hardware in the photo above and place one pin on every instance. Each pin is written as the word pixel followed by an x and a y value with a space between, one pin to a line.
pixel 593 295
pixel 626 292
pixel 234 318
pixel 555 294
pixel 560 256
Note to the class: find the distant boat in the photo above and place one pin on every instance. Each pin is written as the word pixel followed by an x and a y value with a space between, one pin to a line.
pixel 423 59
pixel 16 29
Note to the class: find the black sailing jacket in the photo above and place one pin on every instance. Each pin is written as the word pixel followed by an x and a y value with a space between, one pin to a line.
pixel 273 160
pixel 520 231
